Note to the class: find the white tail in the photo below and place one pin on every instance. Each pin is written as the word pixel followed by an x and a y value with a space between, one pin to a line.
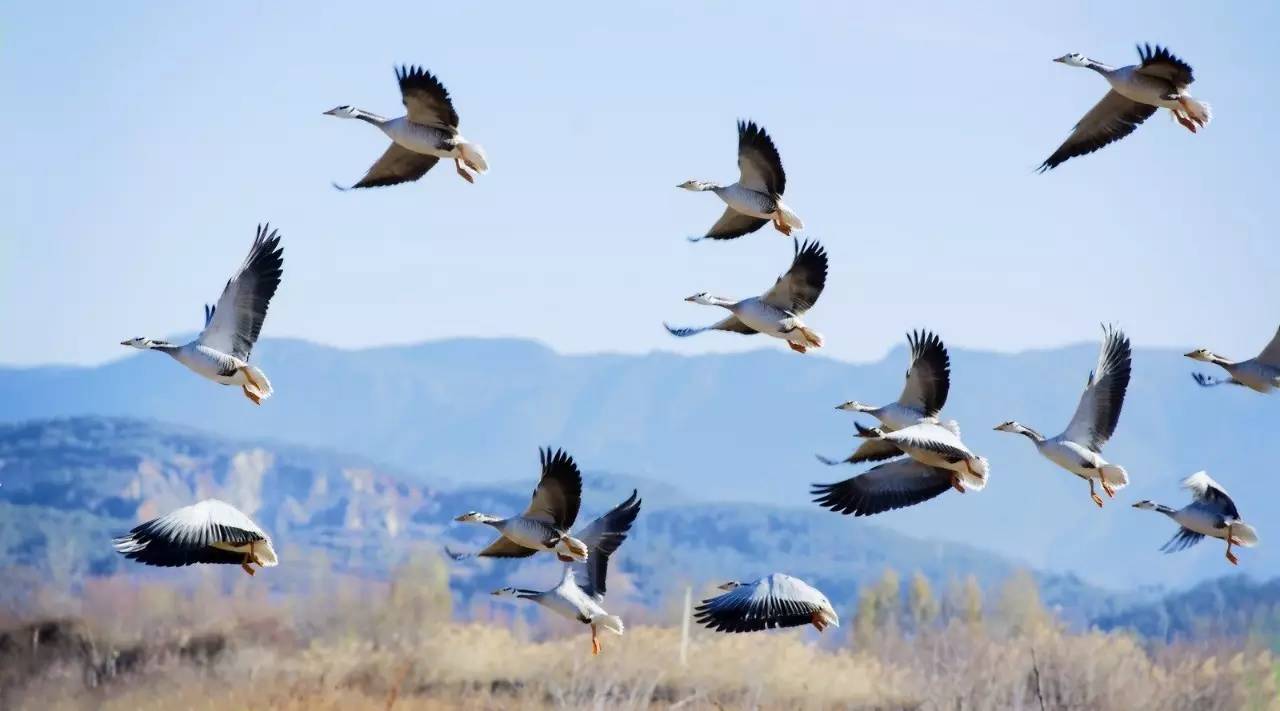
pixel 1198 111
pixel 789 218
pixel 1114 476
pixel 977 481
pixel 1245 534
pixel 256 380
pixel 473 155
pixel 265 554
pixel 613 623
pixel 812 338
pixel 572 548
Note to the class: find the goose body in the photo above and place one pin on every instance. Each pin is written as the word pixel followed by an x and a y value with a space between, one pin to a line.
pixel 924 393
pixel 1159 80
pixel 756 199
pixel 774 601
pixel 545 523
pixel 1078 449
pixel 580 593
pixel 231 327
pixel 420 138
pixel 1211 513
pixel 779 312
pixel 936 444
pixel 211 531
pixel 1260 373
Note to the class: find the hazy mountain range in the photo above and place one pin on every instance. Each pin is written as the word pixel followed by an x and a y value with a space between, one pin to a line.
pixel 730 428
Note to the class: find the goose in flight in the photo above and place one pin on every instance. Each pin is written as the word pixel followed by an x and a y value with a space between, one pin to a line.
pixel 774 601
pixel 1210 513
pixel 208 532
pixel 1261 373
pixel 580 592
pixel 1159 80
pixel 778 312
pixel 419 139
pixel 757 196
pixel 545 524
pixel 1079 448
pixel 231 327
pixel 923 395
pixel 930 443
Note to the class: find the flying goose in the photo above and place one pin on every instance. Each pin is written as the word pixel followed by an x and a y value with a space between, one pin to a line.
pixel 1159 80
pixel 778 312
pixel 580 593
pixel 757 196
pixel 1079 448
pixel 929 442
pixel 231 327
pixel 211 531
pixel 923 395
pixel 545 524
pixel 1210 513
pixel 419 139
pixel 775 600
pixel 1261 373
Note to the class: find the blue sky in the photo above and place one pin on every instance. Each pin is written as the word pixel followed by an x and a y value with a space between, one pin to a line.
pixel 144 142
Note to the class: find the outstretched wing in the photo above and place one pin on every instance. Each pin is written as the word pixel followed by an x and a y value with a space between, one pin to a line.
pixel 559 492
pixel 872 450
pixel 759 164
pixel 426 99
pixel 732 224
pixel 798 290
pixel 1210 493
pixel 503 547
pixel 235 322
pixel 1161 63
pixel 1108 121
pixel 929 376
pixel 187 536
pixel 771 602
pixel 1271 354
pixel 893 485
pixel 397 165
pixel 602 537
pixel 730 323
pixel 1182 540
pixel 1099 409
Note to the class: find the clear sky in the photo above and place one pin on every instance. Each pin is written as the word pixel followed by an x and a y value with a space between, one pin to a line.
pixel 141 144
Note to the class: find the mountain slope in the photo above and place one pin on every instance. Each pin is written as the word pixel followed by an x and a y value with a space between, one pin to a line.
pixel 739 427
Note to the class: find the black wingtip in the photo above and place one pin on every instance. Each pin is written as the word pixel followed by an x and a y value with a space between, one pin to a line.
pixel 829 462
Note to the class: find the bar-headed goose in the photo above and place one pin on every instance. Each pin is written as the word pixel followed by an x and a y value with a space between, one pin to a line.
pixel 1079 448
pixel 211 531
pixel 231 327
pixel 545 524
pixel 1210 513
pixel 892 485
pixel 933 444
pixel 774 601
pixel 580 593
pixel 419 139
pixel 923 395
pixel 1261 373
pixel 778 312
pixel 757 196
pixel 1159 80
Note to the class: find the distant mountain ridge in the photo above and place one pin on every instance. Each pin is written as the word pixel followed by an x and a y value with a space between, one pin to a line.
pixel 740 427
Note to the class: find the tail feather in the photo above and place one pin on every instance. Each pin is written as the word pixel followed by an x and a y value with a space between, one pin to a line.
pixel 257 381
pixel 1198 111
pixel 613 623
pixel 1114 476
pixel 572 548
pixel 789 218
pixel 473 154
pixel 1245 534
pixel 812 338
pixel 977 481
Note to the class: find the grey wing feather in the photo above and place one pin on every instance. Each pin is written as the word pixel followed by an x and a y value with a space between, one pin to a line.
pixel 235 322
pixel 397 165
pixel 732 224
pixel 558 496
pixel 731 324
pixel 759 165
pixel 602 537
pixel 1161 63
pixel 1111 119
pixel 889 486
pixel 929 376
pixel 1182 540
pixel 1098 413
pixel 798 290
pixel 426 99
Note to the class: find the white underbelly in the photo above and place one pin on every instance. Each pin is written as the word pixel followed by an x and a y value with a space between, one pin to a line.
pixel 419 139
pixel 770 321
pixel 747 202
pixel 1076 460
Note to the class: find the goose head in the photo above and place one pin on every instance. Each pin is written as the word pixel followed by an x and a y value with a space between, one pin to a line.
pixel 344 111
pixel 696 185
pixel 854 406
pixel 731 585
pixel 1202 354
pixel 505 592
pixel 706 299
pixel 1075 59
pixel 1145 505
pixel 476 517
pixel 142 343
pixel 1010 426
